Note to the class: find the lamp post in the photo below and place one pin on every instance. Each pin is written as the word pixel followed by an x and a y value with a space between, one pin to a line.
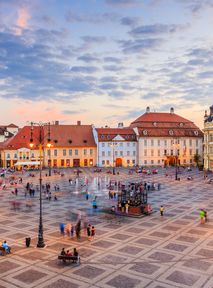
pixel 176 146
pixel 49 160
pixel 40 140
pixel 113 145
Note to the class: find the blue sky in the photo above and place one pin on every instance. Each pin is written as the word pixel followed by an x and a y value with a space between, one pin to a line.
pixel 104 61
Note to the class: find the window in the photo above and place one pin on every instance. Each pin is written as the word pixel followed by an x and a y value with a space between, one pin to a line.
pixel 158 152
pixel 128 162
pixel 55 152
pixel 145 142
pixel 152 152
pixel 152 161
pixel 103 162
pixel 197 151
pixel 134 153
pixel 133 144
pixel 127 144
pixel 76 152
pixel 116 153
pixel 158 142
pixel 128 153
pixel 184 142
pixel 121 153
pixel 145 161
pixel 109 154
pixel 90 152
pixel 32 155
pixel 158 161
pixel 190 160
pixel 190 142
pixel 64 152
pixel 8 156
pixel 184 161
pixel 165 152
pixel 103 153
pixel 48 152
pixel 190 151
pixel 196 142
pixel 171 152
pixel 62 162
pixel 103 144
pixel 85 152
pixel 133 162
pixel 145 152
pixel 70 152
pixel 15 156
pixel 165 143
pixel 107 162
pixel 152 142
pixel 121 144
pixel 178 152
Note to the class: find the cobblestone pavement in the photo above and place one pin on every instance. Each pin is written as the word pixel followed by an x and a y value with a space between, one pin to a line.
pixel 152 251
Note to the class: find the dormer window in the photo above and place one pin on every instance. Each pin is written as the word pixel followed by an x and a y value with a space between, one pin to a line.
pixel 69 141
pixel 145 132
pixel 155 124
pixel 85 141
pixel 181 124
pixel 55 141
pixel 171 132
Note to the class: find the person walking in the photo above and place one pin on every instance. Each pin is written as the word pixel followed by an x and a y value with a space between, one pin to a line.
pixel 202 216
pixel 62 228
pixel 93 232
pixel 127 207
pixel 161 210
pixel 88 232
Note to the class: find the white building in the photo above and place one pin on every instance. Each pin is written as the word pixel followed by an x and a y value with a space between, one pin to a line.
pixel 116 147
pixel 164 138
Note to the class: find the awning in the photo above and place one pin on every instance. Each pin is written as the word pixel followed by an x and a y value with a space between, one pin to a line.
pixel 27 163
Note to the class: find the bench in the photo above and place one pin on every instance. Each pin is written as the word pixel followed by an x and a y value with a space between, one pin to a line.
pixel 71 259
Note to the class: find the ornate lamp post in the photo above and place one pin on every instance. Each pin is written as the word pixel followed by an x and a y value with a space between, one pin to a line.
pixel 176 146
pixel 113 145
pixel 40 140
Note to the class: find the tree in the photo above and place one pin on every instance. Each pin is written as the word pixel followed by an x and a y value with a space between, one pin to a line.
pixel 197 158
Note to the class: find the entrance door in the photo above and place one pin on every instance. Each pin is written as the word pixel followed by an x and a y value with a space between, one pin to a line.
pixel 76 162
pixel 85 163
pixel 118 162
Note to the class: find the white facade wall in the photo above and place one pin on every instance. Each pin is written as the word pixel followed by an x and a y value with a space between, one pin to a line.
pixel 126 150
pixel 154 151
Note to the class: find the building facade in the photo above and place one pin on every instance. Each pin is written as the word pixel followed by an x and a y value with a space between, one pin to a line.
pixel 116 147
pixel 208 140
pixel 71 146
pixel 7 131
pixel 167 138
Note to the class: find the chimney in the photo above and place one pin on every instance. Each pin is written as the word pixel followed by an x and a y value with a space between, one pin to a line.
pixel 147 109
pixel 211 110
pixel 120 125
pixel 57 122
pixel 78 123
pixel 171 110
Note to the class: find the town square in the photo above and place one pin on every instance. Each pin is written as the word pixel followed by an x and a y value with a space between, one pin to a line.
pixel 173 250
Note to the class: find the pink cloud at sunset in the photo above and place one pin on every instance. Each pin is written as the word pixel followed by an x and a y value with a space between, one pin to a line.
pixel 22 19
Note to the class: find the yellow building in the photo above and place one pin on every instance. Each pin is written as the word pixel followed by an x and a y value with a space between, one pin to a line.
pixel 208 140
pixel 71 146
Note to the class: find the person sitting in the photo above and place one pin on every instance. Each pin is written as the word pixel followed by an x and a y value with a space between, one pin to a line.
pixel 76 254
pixel 68 253
pixel 63 251
pixel 6 247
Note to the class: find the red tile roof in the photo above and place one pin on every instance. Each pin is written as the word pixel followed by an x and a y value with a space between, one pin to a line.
pixel 107 134
pixel 60 135
pixel 164 125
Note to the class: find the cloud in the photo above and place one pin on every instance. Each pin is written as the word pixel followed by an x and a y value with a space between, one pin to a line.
pixel 71 112
pixel 114 68
pixel 112 59
pixel 129 21
pixel 73 17
pixel 155 29
pixel 84 69
pixel 122 3
pixel 138 46
pixel 88 58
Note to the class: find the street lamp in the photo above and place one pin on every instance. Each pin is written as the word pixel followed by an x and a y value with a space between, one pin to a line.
pixel 176 146
pixel 40 140
pixel 113 145
pixel 49 160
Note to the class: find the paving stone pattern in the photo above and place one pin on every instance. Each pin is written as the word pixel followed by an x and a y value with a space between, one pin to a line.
pixel 153 251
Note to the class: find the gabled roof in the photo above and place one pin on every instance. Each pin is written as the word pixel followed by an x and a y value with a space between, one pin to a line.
pixel 60 135
pixel 108 134
pixel 12 126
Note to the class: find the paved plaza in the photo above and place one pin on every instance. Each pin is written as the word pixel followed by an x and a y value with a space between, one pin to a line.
pixel 151 251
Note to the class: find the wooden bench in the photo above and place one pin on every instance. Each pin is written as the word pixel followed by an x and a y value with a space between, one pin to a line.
pixel 71 259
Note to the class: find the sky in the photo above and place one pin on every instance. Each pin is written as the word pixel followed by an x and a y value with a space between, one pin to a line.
pixel 104 61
